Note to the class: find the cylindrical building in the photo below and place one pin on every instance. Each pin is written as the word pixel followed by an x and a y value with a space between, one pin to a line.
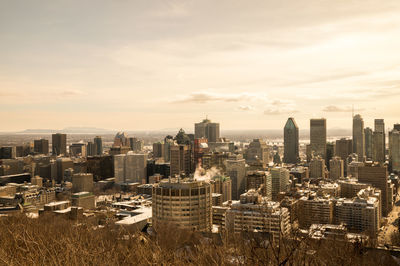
pixel 186 203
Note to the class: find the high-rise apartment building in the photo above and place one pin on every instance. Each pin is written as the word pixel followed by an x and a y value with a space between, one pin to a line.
pixel 360 214
pixel 344 147
pixel 315 211
pixel 336 168
pixel 291 141
pixel 280 181
pixel 41 146
pixel 255 213
pixel 180 160
pixel 185 203
pixel 318 137
pixel 379 142
pixel 236 170
pixel 359 137
pixel 77 149
pixel 59 144
pixel 207 129
pixel 98 143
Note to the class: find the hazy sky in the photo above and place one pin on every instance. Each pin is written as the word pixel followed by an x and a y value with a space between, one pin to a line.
pixel 166 64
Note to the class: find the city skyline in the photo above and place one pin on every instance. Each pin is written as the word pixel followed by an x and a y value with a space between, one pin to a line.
pixel 134 65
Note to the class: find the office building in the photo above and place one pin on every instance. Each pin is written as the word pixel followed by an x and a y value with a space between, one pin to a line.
pixel 368 143
pixel 185 203
pixel 379 142
pixel 236 170
pixel 77 150
pixel 280 181
pixel 200 148
pixel 168 142
pixel 336 166
pixel 135 144
pixel 394 149
pixel 158 150
pixel 41 146
pixel 90 149
pixel 359 137
pixel 318 137
pixel 121 139
pixel 377 176
pixel 180 160
pixel 98 143
pixel 260 181
pixel 222 185
pixel 291 141
pixel 59 144
pixel 82 182
pixel 63 164
pixel 207 129
pixel 130 168
pixel 317 167
pixel 258 150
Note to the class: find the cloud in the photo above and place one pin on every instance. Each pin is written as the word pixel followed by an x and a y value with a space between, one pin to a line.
pixel 280 107
pixel 245 107
pixel 338 109
pixel 71 93
pixel 206 97
pixel 279 111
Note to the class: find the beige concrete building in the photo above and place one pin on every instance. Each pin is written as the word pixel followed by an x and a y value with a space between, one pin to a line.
pixel 260 181
pixel 359 214
pixel 256 214
pixel 84 199
pixel 280 181
pixel 317 167
pixel 180 160
pixel 313 210
pixel 336 167
pixel 258 150
pixel 394 149
pixel 223 185
pixel 183 202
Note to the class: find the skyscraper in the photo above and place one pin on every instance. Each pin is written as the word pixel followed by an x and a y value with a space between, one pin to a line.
pixel 318 137
pixel 236 170
pixel 98 143
pixel 358 137
pixel 41 146
pixel 207 129
pixel 368 143
pixel 59 144
pixel 336 169
pixel 291 141
pixel 378 141
pixel 130 167
pixel 394 149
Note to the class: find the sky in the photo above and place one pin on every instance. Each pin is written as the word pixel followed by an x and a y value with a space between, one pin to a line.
pixel 148 65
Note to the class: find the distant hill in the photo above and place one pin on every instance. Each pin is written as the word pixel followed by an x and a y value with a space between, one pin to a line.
pixel 69 130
